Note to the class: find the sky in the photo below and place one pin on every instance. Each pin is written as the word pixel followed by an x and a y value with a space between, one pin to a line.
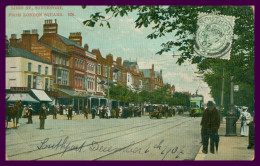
pixel 121 40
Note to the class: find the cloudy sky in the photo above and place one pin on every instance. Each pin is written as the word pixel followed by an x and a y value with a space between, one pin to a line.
pixel 121 40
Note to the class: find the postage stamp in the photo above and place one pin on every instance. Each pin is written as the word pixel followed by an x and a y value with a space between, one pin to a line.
pixel 214 35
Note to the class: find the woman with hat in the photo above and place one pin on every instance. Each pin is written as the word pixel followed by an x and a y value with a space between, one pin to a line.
pixel 245 119
pixel 42 116
pixel 30 115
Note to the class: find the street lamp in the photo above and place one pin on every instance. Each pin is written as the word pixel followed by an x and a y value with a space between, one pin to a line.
pixel 231 116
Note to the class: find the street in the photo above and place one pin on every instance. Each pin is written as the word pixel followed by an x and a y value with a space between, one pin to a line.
pixel 139 138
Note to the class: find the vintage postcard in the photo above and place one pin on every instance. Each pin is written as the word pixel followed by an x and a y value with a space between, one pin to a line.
pixel 129 83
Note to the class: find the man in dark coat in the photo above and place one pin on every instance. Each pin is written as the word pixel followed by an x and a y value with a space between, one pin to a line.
pixel 117 112
pixel 30 115
pixel 61 110
pixel 54 112
pixel 70 113
pixel 251 139
pixel 210 124
pixel 93 112
pixel 42 116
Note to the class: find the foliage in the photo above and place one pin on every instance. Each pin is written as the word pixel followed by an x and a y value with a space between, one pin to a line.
pixel 181 21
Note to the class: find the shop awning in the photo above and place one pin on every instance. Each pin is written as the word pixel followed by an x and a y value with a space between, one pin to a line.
pixel 24 97
pixel 41 95
pixel 74 93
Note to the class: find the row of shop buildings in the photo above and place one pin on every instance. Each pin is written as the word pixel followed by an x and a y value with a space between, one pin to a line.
pixel 68 72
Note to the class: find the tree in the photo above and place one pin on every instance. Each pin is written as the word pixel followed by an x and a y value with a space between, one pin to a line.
pixel 181 21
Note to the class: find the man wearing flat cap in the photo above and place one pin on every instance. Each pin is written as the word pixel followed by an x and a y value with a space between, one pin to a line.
pixel 210 124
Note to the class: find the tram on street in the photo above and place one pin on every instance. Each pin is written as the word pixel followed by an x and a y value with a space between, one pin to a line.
pixel 196 105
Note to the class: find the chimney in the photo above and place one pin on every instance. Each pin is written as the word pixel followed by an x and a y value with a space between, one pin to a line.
pixel 152 66
pixel 50 27
pixel 34 36
pixel 109 58
pixel 86 47
pixel 14 41
pixel 161 72
pixel 76 37
pixel 119 61
pixel 26 40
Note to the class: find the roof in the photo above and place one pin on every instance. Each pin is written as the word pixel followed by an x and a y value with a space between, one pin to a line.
pixel 25 97
pixel 77 93
pixel 69 42
pixel 55 49
pixel 41 95
pixel 146 72
pixel 157 74
pixel 17 52
pixel 131 64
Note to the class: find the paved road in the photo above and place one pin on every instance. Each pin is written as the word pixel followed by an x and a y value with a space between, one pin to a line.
pixel 175 138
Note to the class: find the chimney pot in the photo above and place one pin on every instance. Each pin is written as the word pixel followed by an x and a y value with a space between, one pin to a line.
pixel 34 31
pixel 13 36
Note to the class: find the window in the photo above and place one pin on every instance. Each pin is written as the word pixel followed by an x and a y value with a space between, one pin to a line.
pixel 67 62
pixel 29 79
pixel 105 71
pixel 50 84
pixel 99 69
pixel 39 69
pixel 59 59
pixel 76 62
pixel 34 82
pixel 29 66
pixel 86 82
pixel 119 75
pixel 123 76
pixel 46 70
pixel 56 59
pixel 64 61
pixel 59 76
pixel 46 83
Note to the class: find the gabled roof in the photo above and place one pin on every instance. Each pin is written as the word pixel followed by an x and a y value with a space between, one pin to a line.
pixel 17 52
pixel 69 42
pixel 157 74
pixel 131 64
pixel 146 72
pixel 55 49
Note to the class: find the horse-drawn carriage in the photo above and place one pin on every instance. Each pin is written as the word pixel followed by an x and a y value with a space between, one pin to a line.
pixel 158 112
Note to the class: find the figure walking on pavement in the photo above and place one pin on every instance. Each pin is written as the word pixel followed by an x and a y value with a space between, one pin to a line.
pixel 30 115
pixel 86 112
pixel 245 119
pixel 93 112
pixel 70 112
pixel 210 124
pixel 54 112
pixel 42 116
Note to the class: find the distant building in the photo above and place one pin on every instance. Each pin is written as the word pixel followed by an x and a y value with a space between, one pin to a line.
pixel 148 79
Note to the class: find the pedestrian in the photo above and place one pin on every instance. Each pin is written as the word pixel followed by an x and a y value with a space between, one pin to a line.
pixel 245 119
pixel 210 124
pixel 80 109
pixel 108 113
pixel 61 110
pixel 24 113
pixel 103 112
pixel 54 112
pixel 42 116
pixel 86 112
pixel 113 113
pixel 30 111
pixel 193 113
pixel 70 112
pixel 117 113
pixel 93 112
pixel 251 140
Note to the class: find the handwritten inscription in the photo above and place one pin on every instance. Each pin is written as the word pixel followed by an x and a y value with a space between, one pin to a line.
pixel 160 148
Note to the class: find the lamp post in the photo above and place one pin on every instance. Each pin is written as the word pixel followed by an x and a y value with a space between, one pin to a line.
pixel 231 116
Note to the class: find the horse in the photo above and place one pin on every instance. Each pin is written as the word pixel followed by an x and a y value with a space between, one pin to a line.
pixel 14 112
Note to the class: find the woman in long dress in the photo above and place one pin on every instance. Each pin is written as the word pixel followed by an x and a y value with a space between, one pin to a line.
pixel 245 119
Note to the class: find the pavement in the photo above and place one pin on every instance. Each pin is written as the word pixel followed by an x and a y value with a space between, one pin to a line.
pixel 230 148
